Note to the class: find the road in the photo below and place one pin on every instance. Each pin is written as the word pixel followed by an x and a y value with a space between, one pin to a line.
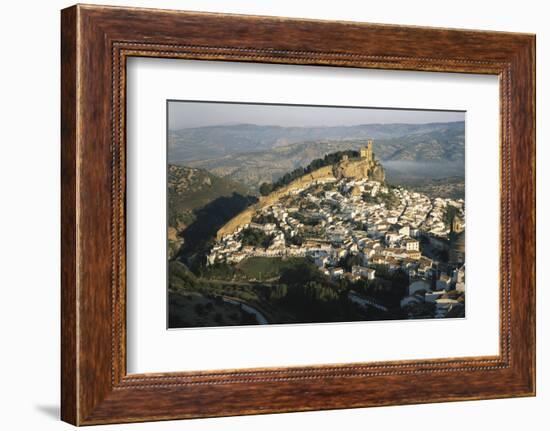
pixel 248 308
pixel 361 300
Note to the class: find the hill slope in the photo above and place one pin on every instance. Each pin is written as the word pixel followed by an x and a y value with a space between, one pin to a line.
pixel 191 192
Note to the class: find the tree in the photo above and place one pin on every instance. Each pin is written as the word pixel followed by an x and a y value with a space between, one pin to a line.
pixel 444 255
pixel 300 274
pixel 255 237
pixel 266 188
pixel 200 309
pixel 349 261
pixel 450 212
pixel 294 240
pixel 278 292
pixel 329 159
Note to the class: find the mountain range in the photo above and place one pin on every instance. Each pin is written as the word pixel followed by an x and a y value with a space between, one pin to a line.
pixel 251 154
pixel 214 142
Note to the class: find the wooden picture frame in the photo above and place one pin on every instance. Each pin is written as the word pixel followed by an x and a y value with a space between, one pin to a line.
pixel 95 43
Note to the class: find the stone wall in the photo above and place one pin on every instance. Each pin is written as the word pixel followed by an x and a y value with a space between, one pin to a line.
pixel 357 169
pixel 245 216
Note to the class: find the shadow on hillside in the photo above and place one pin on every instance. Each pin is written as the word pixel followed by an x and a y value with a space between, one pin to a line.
pixel 209 219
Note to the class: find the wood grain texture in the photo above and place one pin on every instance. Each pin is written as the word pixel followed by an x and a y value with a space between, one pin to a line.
pixel 69 397
pixel 96 41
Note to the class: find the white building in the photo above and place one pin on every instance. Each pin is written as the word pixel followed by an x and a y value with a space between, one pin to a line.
pixel 433 296
pixel 392 237
pixel 337 272
pixel 412 245
pixel 363 272
pixel 404 230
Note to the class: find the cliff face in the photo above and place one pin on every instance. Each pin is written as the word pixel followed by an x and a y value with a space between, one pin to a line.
pixel 378 173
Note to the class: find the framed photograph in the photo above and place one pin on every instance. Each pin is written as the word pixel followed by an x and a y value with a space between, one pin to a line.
pixel 263 214
pixel 311 228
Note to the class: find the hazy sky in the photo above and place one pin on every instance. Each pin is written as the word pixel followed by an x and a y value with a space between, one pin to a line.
pixel 196 114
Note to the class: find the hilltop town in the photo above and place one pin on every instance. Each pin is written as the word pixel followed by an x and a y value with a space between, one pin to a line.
pixel 353 226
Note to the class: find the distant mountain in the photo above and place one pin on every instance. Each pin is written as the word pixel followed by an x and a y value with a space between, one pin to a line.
pixel 440 143
pixel 215 142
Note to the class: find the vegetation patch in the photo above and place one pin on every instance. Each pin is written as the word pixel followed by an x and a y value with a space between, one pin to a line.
pixel 328 160
pixel 265 268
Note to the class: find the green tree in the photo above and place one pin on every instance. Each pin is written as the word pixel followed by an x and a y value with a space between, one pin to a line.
pixel 450 212
pixel 255 237
pixel 349 261
pixel 266 188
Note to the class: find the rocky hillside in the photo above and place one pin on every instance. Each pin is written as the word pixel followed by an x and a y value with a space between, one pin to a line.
pixel 190 190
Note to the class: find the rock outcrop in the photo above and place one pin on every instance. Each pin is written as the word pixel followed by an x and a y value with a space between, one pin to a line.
pixel 378 173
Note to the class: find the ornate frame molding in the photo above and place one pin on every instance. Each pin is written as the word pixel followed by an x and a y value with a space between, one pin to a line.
pixel 96 41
